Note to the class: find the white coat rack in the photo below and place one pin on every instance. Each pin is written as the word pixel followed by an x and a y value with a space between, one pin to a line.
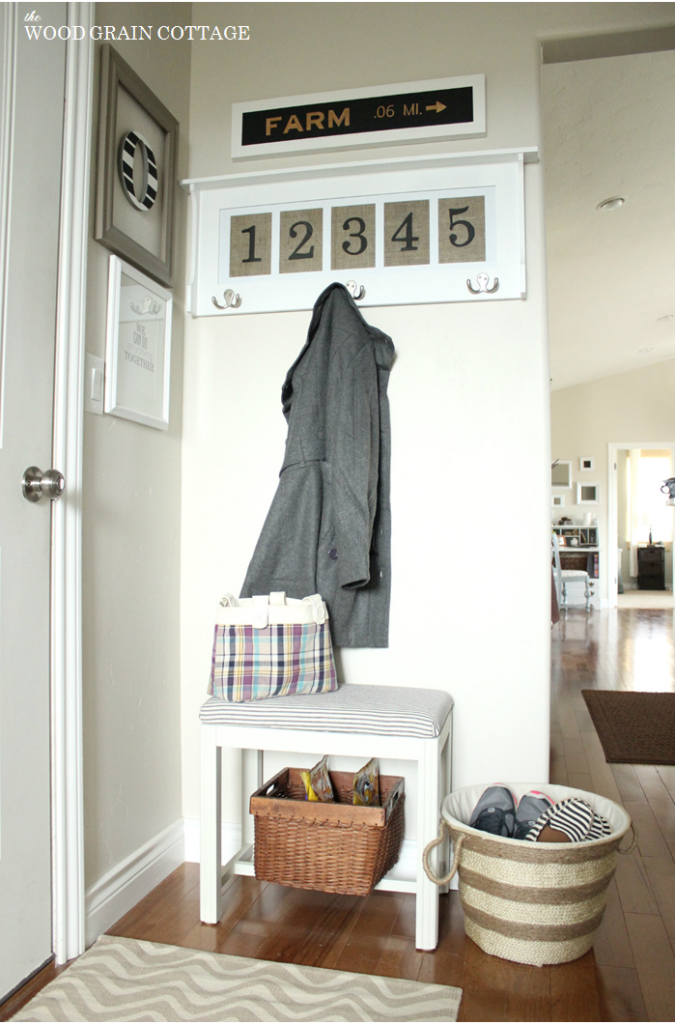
pixel 442 228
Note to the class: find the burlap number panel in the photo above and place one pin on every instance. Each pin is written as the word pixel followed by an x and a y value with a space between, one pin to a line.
pixel 406 233
pixel 461 230
pixel 300 241
pixel 353 237
pixel 250 244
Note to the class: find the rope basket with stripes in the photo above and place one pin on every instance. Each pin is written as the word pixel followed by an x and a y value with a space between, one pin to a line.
pixel 534 903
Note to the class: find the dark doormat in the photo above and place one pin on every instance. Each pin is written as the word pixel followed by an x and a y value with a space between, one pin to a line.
pixel 634 728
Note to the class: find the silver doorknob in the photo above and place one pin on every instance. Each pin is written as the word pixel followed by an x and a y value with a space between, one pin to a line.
pixel 35 484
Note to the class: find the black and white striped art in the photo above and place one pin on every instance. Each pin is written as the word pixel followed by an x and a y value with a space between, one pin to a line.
pixel 133 145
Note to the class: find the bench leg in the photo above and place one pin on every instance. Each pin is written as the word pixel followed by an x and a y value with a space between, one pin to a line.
pixel 428 776
pixel 210 869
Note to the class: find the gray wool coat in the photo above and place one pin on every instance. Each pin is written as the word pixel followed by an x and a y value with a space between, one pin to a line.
pixel 328 530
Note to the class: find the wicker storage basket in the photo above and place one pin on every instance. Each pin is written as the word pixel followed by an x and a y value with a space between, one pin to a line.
pixel 332 847
pixel 535 903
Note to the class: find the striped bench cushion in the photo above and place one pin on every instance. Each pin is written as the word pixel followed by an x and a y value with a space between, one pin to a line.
pixel 377 710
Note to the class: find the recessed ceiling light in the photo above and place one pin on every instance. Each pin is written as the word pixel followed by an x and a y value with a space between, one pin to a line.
pixel 611 204
pixel 669 316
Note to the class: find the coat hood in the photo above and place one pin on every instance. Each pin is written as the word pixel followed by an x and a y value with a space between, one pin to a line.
pixel 335 302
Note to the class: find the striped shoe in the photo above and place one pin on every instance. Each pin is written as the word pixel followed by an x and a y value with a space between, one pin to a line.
pixel 573 817
pixel 600 828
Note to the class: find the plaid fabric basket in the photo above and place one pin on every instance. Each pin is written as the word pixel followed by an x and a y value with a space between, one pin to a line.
pixel 271 647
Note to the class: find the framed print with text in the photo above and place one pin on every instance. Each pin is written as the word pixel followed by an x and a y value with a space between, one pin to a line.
pixel 138 347
pixel 136 170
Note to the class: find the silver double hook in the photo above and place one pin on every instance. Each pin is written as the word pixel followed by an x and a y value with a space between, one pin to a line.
pixel 232 300
pixel 482 281
pixel 357 291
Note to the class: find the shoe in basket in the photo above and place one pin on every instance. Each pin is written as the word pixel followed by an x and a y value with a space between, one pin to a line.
pixel 495 812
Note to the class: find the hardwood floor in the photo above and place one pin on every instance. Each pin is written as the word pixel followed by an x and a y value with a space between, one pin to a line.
pixel 634 952
pixel 18 999
pixel 630 974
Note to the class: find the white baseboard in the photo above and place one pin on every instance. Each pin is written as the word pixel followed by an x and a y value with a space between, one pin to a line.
pixel 230 840
pixel 133 878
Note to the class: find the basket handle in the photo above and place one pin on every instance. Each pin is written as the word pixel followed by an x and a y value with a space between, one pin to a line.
pixel 436 842
pixel 634 842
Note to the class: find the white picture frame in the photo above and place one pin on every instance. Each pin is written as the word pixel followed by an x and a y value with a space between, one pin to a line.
pixel 557 500
pixel 561 473
pixel 588 494
pixel 586 463
pixel 138 347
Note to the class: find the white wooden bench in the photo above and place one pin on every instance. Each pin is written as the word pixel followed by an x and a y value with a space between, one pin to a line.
pixel 393 722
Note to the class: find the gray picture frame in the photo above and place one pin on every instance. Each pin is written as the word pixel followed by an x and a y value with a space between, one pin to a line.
pixel 118 226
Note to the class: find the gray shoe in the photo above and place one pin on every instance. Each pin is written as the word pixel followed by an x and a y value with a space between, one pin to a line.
pixel 530 808
pixel 495 812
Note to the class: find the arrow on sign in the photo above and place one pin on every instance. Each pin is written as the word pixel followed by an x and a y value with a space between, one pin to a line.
pixel 438 106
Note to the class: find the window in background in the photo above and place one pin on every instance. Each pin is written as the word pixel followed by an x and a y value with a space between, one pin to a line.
pixel 653 468
pixel 645 472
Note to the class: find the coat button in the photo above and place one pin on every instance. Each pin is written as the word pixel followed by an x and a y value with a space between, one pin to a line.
pixel 333 554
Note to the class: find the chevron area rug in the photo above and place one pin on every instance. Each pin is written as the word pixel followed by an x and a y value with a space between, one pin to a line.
pixel 130 980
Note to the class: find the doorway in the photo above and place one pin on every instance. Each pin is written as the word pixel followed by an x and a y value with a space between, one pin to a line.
pixel 610 317
pixel 640 525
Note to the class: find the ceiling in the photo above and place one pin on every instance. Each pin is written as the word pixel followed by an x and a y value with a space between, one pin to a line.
pixel 609 130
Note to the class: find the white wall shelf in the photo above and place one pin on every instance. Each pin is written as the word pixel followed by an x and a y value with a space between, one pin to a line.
pixel 255 270
pixel 584 536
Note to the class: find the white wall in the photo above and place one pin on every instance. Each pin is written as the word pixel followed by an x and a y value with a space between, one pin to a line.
pixel 131 542
pixel 469 389
pixel 468 393
pixel 635 407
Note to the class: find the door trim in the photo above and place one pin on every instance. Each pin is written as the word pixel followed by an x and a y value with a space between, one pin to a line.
pixel 7 88
pixel 66 565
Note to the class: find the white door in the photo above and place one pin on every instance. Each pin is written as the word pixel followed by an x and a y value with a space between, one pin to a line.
pixel 32 141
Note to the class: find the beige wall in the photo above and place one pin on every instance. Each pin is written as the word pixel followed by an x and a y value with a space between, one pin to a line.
pixel 636 408
pixel 131 544
pixel 298 48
